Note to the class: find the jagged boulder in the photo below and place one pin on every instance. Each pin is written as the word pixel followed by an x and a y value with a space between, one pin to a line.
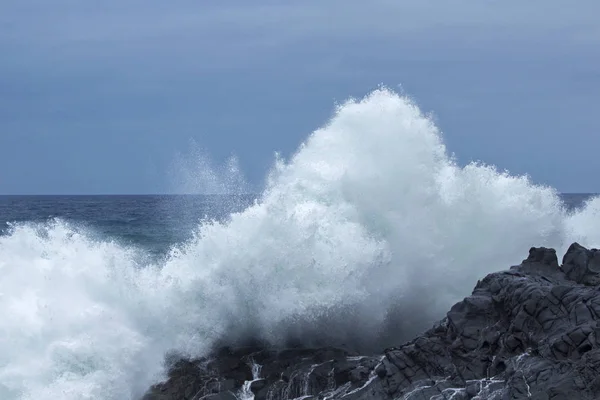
pixel 530 332
pixel 582 265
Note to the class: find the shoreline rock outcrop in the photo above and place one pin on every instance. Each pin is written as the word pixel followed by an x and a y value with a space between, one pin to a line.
pixel 530 332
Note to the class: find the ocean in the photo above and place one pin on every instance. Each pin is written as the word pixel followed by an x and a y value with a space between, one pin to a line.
pixel 152 223
pixel 363 238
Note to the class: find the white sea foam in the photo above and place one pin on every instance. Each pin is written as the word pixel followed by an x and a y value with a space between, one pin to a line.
pixel 370 228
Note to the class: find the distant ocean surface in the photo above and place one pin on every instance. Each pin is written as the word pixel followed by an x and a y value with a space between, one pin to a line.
pixel 154 222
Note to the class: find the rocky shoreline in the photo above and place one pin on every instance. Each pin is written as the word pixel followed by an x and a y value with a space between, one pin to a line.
pixel 530 332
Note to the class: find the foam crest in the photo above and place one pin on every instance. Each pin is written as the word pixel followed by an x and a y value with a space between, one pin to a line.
pixel 67 326
pixel 582 225
pixel 364 237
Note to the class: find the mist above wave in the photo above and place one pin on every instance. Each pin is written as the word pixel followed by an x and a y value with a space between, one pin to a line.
pixel 364 237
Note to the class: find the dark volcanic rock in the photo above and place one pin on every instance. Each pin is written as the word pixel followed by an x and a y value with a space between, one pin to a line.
pixel 528 332
pixel 582 265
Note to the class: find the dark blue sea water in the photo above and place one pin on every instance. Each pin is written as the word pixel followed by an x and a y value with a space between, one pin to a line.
pixel 155 222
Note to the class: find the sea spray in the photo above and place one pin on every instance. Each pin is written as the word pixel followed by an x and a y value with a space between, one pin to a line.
pixel 364 237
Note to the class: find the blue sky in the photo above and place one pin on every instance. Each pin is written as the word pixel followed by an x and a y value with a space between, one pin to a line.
pixel 101 97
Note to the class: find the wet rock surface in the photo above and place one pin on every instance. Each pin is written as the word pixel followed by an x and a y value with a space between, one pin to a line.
pixel 530 332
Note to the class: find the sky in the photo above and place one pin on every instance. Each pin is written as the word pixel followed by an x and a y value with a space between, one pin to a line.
pixel 104 97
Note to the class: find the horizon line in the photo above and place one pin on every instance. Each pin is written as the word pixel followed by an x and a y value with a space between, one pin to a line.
pixel 173 194
pixel 121 194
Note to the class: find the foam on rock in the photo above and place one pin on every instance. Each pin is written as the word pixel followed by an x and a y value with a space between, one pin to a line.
pixel 528 332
